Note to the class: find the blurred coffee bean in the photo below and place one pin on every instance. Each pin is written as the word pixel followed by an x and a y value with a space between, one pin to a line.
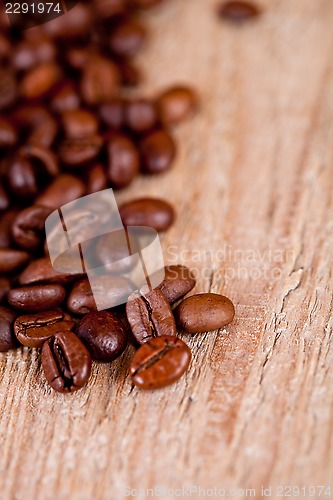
pixel 100 80
pixel 176 104
pixel 8 88
pixel 150 212
pixel 77 152
pixel 140 115
pixel 28 228
pixel 127 38
pixel 96 178
pixel 12 260
pixel 42 271
pixel 64 189
pixel 113 113
pixel 79 123
pixel 5 47
pixel 237 11
pixel 8 135
pixel 110 8
pixel 123 160
pixel 66 98
pixel 30 53
pixel 130 74
pixel 36 124
pixel 39 81
pixel 8 339
pixel 6 222
pixel 22 177
pixel 36 298
pixel 80 299
pixel 76 23
pixel 158 151
pixel 4 199
pixel 4 289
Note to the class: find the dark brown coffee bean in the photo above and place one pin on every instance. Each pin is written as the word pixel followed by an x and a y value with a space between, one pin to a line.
pixel 81 299
pixel 123 159
pixel 178 281
pixel 77 152
pixel 159 362
pixel 62 190
pixel 4 289
pixel 8 88
pixel 4 199
pixel 238 11
pixel 109 8
pixel 8 135
pixel 6 223
pixel 33 330
pixel 130 74
pixel 150 316
pixel 140 115
pixel 127 38
pixel 5 47
pixel 204 312
pixel 12 260
pixel 103 334
pixel 43 158
pixel 113 113
pixel 36 124
pixel 42 271
pixel 28 229
pixel 149 212
pixel 100 80
pixel 36 298
pixel 176 104
pixel 7 336
pixel 97 179
pixel 79 123
pixel 112 248
pixel 76 23
pixel 30 53
pixel 158 152
pixel 44 134
pixel 66 98
pixel 39 81
pixel 22 178
pixel 66 362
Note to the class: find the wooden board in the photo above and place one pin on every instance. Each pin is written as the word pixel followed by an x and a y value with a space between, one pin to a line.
pixel 253 188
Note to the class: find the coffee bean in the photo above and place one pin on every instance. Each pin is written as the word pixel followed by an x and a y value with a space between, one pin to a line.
pixel 8 88
pixel 96 178
pixel 127 38
pixel 176 104
pixel 64 189
pixel 37 124
pixel 80 299
pixel 4 289
pixel 123 160
pixel 77 152
pixel 30 53
pixel 8 135
pixel 41 271
pixel 100 80
pixel 22 178
pixel 33 330
pixel 39 81
pixel 150 316
pixel 6 222
pixel 12 260
pixel 178 281
pixel 112 248
pixel 103 334
pixel 66 98
pixel 238 11
pixel 140 115
pixel 75 24
pixel 204 312
pixel 43 158
pixel 66 362
pixel 36 298
pixel 4 198
pixel 7 336
pixel 107 9
pixel 79 123
pixel 148 212
pixel 28 229
pixel 158 151
pixel 130 74
pixel 160 362
pixel 44 133
pixel 113 113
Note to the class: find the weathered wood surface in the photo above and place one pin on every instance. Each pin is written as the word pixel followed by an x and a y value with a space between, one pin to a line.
pixel 253 187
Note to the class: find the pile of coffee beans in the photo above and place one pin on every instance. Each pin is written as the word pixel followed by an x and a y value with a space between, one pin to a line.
pixel 69 127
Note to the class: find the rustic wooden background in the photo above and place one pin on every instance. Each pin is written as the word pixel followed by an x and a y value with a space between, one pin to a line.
pixel 253 188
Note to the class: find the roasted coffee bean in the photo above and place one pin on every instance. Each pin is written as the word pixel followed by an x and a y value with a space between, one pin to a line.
pixel 39 81
pixel 150 316
pixel 43 158
pixel 238 11
pixel 113 113
pixel 28 229
pixel 158 151
pixel 6 223
pixel 159 362
pixel 178 281
pixel 66 362
pixel 130 74
pixel 176 104
pixel 36 298
pixel 4 288
pixel 140 115
pixel 22 178
pixel 4 198
pixel 123 160
pixel 100 80
pixel 127 38
pixel 103 334
pixel 8 88
pixel 7 336
pixel 36 124
pixel 148 212
pixel 110 8
pixel 8 135
pixel 41 271
pixel 112 248
pixel 62 190
pixel 80 299
pixel 97 179
pixel 12 260
pixel 77 152
pixel 30 53
pixel 79 123
pixel 44 133
pixel 75 24
pixel 204 312
pixel 66 98
pixel 33 330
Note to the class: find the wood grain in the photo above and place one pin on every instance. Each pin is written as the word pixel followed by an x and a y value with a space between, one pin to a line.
pixel 253 188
